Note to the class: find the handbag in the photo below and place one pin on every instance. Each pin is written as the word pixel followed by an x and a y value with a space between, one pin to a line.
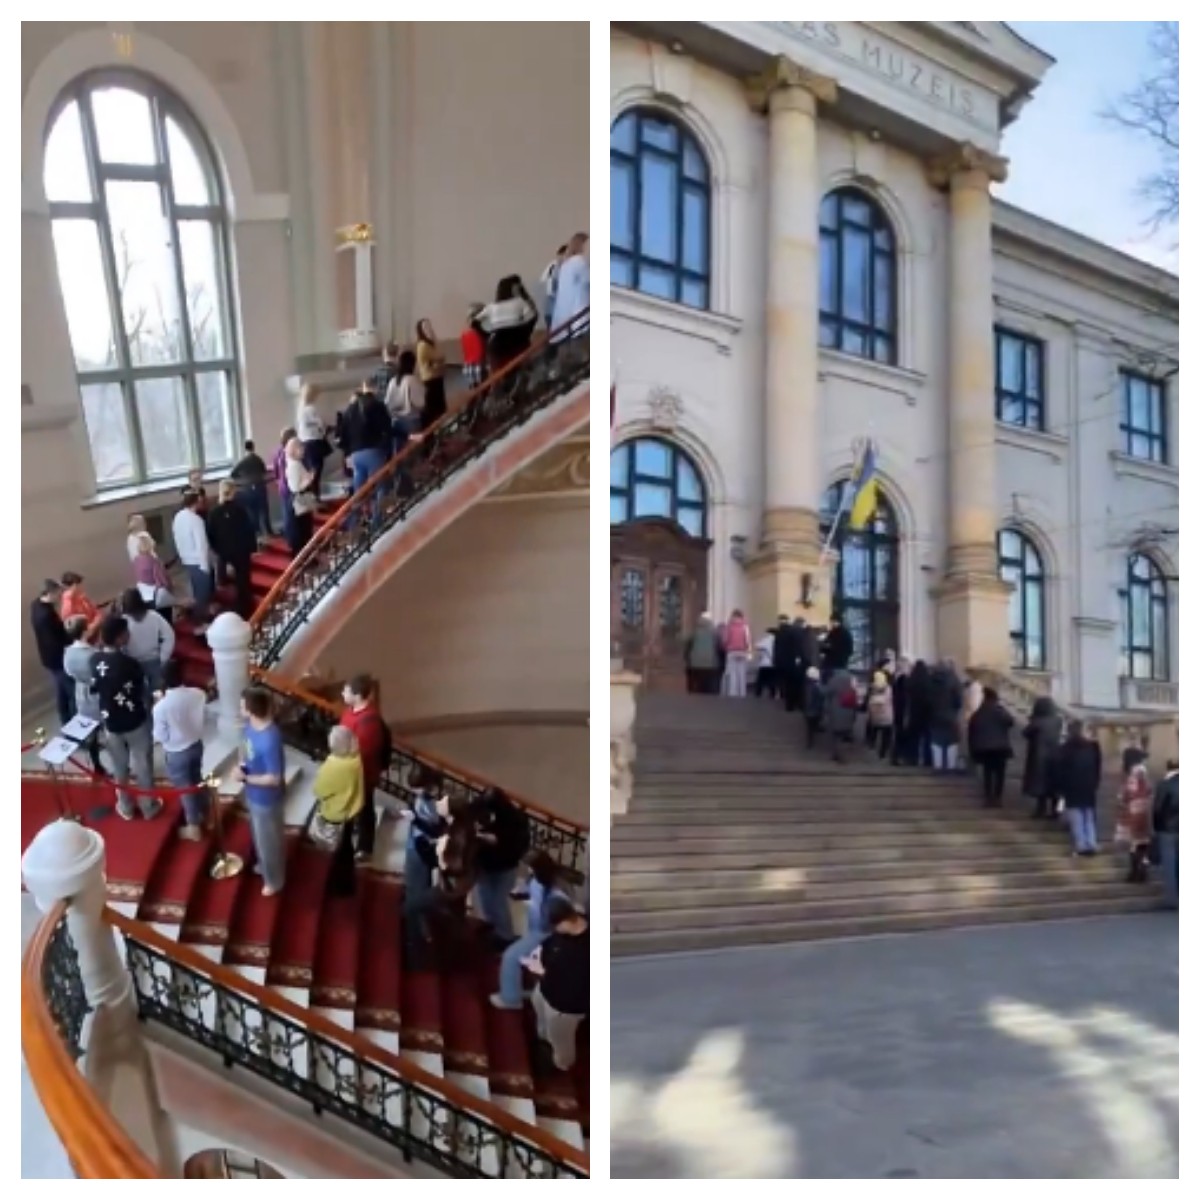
pixel 322 833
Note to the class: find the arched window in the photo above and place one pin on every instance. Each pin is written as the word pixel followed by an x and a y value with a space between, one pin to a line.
pixel 1145 646
pixel 652 478
pixel 139 227
pixel 858 276
pixel 1021 565
pixel 659 215
pixel 866 589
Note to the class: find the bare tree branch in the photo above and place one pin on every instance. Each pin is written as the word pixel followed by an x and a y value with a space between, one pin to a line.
pixel 1151 111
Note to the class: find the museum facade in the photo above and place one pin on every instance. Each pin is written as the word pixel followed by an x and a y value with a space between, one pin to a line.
pixel 806 258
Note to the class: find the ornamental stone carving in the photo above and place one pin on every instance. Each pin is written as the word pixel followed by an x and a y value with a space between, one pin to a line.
pixel 666 408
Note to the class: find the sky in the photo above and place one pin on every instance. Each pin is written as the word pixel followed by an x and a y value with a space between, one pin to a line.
pixel 1068 165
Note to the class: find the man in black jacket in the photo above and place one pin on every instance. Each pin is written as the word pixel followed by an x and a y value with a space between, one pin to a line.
pixel 365 429
pixel 120 688
pixel 783 660
pixel 1166 829
pixel 232 535
pixel 52 642
pixel 560 1000
pixel 503 831
pixel 837 647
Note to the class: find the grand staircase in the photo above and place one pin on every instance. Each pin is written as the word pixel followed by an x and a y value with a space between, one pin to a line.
pixel 737 835
pixel 501 1108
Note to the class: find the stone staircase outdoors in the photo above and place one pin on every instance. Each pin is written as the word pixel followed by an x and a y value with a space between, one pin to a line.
pixel 737 835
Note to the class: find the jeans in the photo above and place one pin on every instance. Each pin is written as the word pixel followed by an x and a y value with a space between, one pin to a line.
pixel 1083 828
pixel 418 884
pixel 365 463
pixel 1168 865
pixel 64 695
pixel 202 591
pixel 185 769
pixel 491 899
pixel 254 499
pixel 136 749
pixel 510 967
pixel 266 827
pixel 735 673
pixel 945 758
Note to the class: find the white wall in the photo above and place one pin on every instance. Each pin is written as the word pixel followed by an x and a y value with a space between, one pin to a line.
pixel 1077 502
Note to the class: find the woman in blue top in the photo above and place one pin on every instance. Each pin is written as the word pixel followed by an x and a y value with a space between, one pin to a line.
pixel 262 771
pixel 420 853
pixel 544 885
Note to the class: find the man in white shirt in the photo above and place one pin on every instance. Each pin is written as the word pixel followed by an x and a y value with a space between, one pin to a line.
pixel 573 286
pixel 191 544
pixel 179 729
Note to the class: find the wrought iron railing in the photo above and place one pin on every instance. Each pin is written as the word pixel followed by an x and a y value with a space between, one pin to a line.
pixel 63 985
pixel 306 720
pixel 425 1119
pixel 486 415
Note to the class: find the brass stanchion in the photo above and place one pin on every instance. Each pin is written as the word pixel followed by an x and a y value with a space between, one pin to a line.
pixel 225 864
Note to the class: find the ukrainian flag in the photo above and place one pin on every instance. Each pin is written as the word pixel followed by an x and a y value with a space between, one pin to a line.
pixel 866 490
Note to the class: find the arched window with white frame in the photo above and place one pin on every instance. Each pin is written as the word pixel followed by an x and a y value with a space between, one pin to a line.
pixel 140 229
pixel 1145 636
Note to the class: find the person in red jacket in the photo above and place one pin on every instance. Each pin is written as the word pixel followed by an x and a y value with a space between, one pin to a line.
pixel 363 719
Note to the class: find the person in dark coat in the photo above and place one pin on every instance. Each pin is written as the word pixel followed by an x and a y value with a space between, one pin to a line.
pixel 1043 736
pixel 783 659
pixel 989 739
pixel 837 647
pixel 920 715
pixel 702 658
pixel 1076 770
pixel 52 642
pixel 234 540
pixel 808 654
pixel 841 711
pixel 900 741
pixel 945 712
pixel 1165 819
pixel 503 833
pixel 814 705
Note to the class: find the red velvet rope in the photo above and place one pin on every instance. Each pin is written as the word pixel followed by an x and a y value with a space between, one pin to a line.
pixel 162 791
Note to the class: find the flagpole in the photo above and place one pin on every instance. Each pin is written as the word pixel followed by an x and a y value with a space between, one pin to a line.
pixel 847 492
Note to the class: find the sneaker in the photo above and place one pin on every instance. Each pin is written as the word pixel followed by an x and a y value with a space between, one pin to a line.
pixel 125 813
pixel 191 833
pixel 270 891
pixel 151 809
pixel 498 1001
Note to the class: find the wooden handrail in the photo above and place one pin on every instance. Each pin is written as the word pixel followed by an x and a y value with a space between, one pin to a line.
pixel 299 693
pixel 95 1141
pixel 362 1049
pixel 326 533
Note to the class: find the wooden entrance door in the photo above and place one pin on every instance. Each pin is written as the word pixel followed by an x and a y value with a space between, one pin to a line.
pixel 659 587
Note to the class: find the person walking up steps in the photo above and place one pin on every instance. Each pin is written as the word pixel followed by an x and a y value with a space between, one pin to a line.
pixel 737 644
pixel 764 677
pixel 1166 830
pixel 179 729
pixel 1076 770
pixel 701 658
pixel 880 713
pixel 989 740
pixel 813 704
pixel 262 771
pixel 841 711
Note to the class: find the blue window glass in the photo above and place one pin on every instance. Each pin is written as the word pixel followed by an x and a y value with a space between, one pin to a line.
pixel 1021 566
pixel 1145 650
pixel 1143 417
pixel 650 477
pixel 1019 384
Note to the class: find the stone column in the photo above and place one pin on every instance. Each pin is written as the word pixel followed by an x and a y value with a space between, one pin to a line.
pixel 229 639
pixel 790 541
pixel 66 862
pixel 622 706
pixel 972 599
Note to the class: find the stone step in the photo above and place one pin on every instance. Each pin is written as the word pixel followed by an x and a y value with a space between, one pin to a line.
pixel 1057 862
pixel 782 785
pixel 834 810
pixel 943 834
pixel 639 859
pixel 798 913
pixel 785 888
pixel 669 941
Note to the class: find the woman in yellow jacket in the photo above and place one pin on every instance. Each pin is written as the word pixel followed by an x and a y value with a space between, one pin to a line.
pixel 340 795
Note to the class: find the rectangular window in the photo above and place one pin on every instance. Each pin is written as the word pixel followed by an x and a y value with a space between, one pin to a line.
pixel 1020 380
pixel 1143 417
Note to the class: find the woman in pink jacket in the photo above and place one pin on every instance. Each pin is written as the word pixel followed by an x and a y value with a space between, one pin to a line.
pixel 738 645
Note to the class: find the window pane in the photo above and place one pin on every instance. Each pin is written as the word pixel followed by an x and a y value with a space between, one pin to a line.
pixel 662 134
pixel 883 292
pixel 1155 404
pixel 66 169
pixel 694 293
pixel 622 270
pixel 829 211
pixel 853 342
pixel 1162 667
pixel 1139 446
pixel 856 209
pixel 1010 544
pixel 108 433
pixel 1143 666
pixel 616 509
pixel 1012 410
pixel 202 284
pixel 123 127
pixel 623 134
pixel 652 458
pixel 657 281
pixel 85 294
pixel 1139 404
pixel 633 599
pixel 689 482
pixel 651 500
pixel 829 266
pixel 829 333
pixel 695 232
pixel 883 349
pixel 1033 609
pixel 216 426
pixel 145 272
pixel 694 166
pixel 1033 370
pixel 856 274
pixel 856 570
pixel 883 239
pixel 658 217
pixel 692 519
pixel 162 415
pixel 620 197
pixel 884 570
pixel 1012 363
pixel 618 466
pixel 189 180
pixel 1140 614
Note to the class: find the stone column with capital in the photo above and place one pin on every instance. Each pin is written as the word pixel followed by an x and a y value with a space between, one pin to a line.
pixel 790 542
pixel 972 598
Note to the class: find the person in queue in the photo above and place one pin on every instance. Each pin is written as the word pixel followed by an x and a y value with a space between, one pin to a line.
pixel 562 964
pixel 178 726
pixel 151 638
pixel 503 833
pixel 234 540
pixel 363 718
pixel 77 662
pixel 545 885
pixel 338 790
pixel 52 642
pixel 262 772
